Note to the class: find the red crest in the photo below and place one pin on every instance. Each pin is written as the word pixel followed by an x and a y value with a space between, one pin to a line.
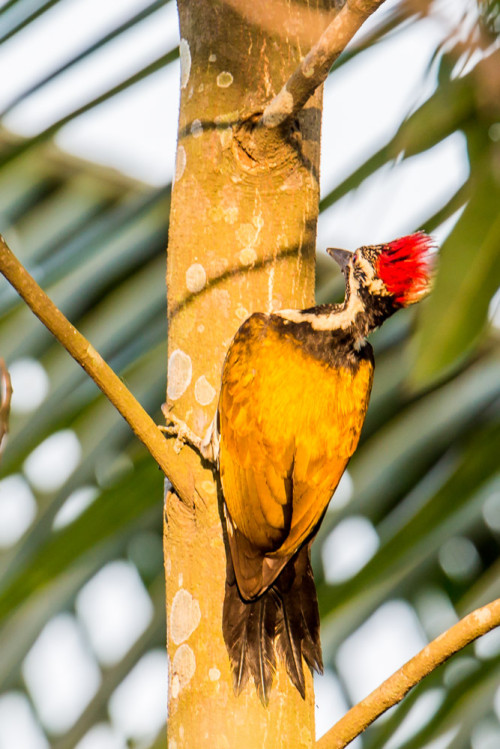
pixel 406 267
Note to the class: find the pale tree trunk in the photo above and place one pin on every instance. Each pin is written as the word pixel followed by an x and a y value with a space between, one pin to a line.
pixel 242 238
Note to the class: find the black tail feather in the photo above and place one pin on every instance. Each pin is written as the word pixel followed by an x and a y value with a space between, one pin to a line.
pixel 284 620
pixel 249 629
pixel 289 645
pixel 298 627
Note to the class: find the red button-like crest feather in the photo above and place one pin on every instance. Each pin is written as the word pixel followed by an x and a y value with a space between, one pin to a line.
pixel 406 265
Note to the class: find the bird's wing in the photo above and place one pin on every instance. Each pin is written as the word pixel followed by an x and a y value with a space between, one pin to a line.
pixel 325 441
pixel 256 446
pixel 288 426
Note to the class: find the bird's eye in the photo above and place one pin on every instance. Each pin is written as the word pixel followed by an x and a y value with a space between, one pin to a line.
pixel 354 257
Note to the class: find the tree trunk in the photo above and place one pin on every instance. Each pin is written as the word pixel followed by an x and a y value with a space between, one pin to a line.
pixel 242 238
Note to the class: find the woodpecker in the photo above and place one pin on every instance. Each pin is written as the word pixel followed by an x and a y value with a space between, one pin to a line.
pixel 294 394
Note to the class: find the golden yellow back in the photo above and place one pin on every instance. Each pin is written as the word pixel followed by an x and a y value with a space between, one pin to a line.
pixel 289 422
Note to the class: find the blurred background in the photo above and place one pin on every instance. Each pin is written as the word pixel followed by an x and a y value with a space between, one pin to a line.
pixel 411 139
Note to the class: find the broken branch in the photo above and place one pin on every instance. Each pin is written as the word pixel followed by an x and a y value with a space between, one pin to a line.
pixel 314 68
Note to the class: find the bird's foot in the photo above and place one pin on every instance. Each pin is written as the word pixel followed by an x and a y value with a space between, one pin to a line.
pixel 207 446
pixel 177 428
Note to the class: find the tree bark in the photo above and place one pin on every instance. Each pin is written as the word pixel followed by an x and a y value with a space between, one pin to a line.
pixel 241 239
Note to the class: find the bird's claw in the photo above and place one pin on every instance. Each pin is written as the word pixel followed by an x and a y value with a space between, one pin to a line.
pixel 175 427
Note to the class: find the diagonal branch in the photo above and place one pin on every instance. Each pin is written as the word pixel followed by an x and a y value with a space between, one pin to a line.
pixel 392 691
pixel 87 357
pixel 314 68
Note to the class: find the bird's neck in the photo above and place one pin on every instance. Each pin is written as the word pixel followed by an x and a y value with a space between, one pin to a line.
pixel 358 315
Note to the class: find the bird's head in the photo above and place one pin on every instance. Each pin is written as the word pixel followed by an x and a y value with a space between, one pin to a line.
pixel 395 274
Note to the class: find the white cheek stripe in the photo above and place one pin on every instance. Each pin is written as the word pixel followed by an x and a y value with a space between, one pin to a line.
pixel 338 318
pixel 342 318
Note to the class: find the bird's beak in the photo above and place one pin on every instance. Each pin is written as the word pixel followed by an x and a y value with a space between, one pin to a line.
pixel 341 257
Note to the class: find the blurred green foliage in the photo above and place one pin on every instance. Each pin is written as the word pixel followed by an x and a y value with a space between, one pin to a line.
pixel 429 456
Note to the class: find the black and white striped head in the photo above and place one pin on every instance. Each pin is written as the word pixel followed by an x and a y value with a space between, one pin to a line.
pixel 400 272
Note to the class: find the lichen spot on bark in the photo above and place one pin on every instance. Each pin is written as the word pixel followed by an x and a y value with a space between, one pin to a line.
pixel 214 674
pixel 308 69
pixel 248 235
pixel 242 313
pixel 224 79
pixel 185 56
pixel 185 616
pixel 94 355
pixel 196 277
pixel 196 128
pixel 247 256
pixel 180 372
pixel 176 687
pixel 180 162
pixel 203 391
pixel 482 616
pixel 231 214
pixel 183 668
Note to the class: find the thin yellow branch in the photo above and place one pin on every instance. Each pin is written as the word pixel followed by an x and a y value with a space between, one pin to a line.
pixel 87 357
pixel 392 691
pixel 6 396
pixel 313 69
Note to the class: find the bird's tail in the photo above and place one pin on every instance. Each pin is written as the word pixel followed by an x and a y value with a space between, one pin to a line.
pixel 283 621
